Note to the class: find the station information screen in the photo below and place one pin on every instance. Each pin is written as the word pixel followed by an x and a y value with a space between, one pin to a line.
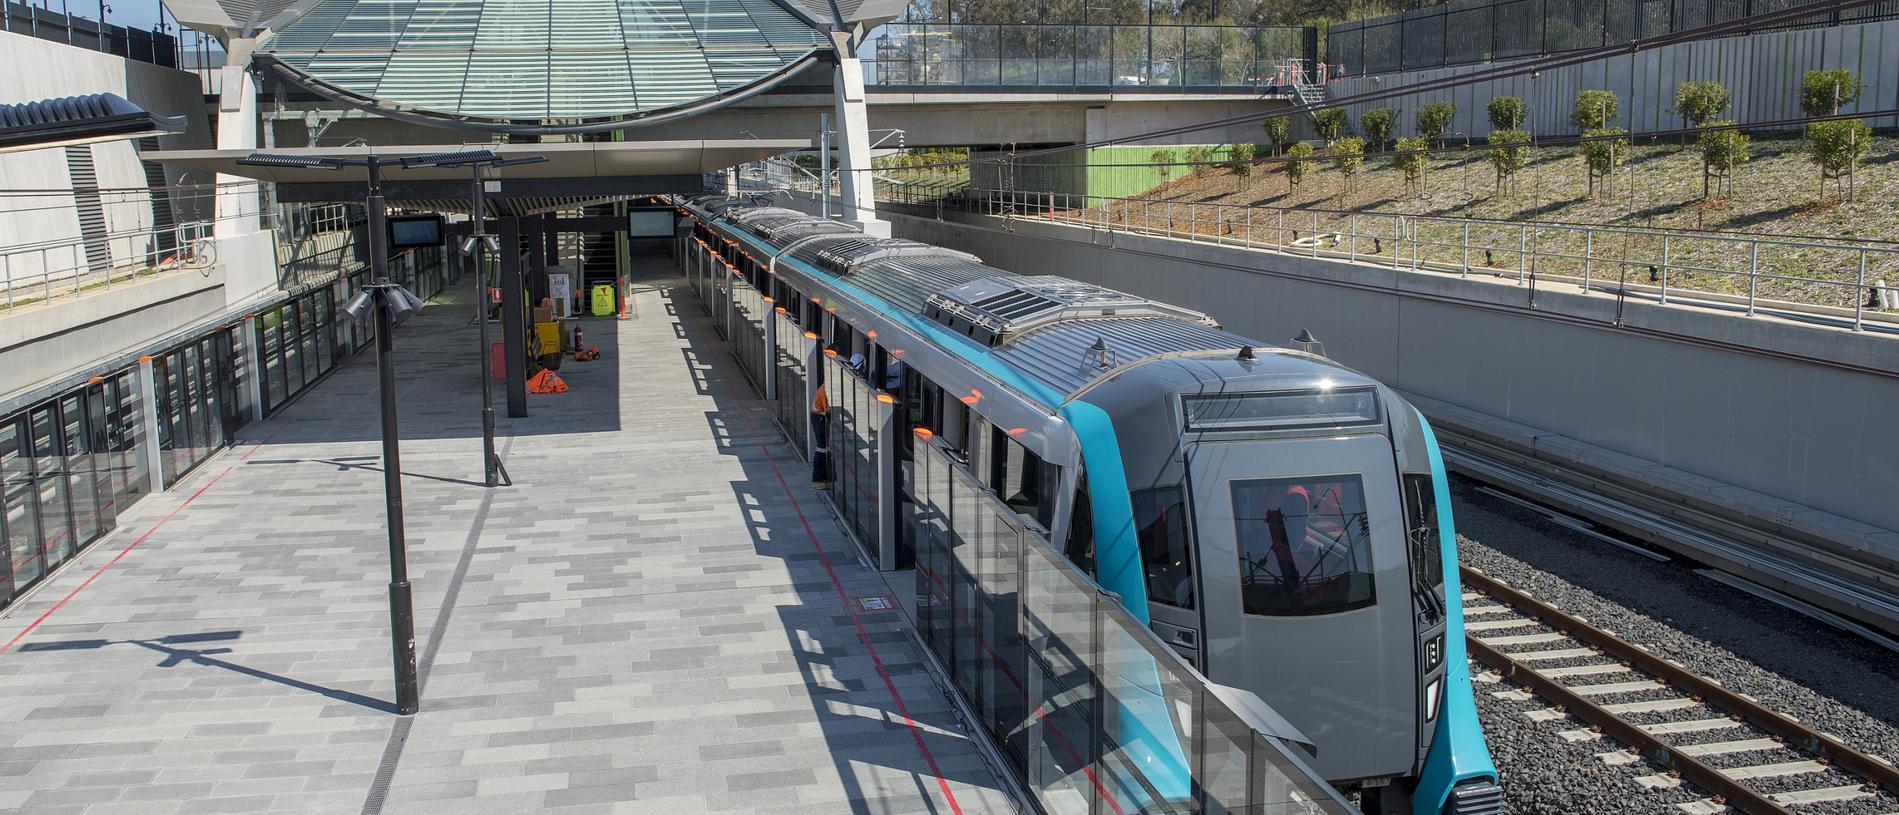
pixel 650 223
pixel 421 230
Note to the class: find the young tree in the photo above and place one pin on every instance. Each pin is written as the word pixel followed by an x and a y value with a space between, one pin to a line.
pixel 1198 156
pixel 1297 157
pixel 1413 161
pixel 1603 149
pixel 1277 129
pixel 1836 147
pixel 1348 154
pixel 1723 149
pixel 1509 152
pixel 1823 93
pixel 1242 156
pixel 1699 103
pixel 1377 125
pixel 1434 118
pixel 1506 113
pixel 1163 161
pixel 1594 110
pixel 1330 123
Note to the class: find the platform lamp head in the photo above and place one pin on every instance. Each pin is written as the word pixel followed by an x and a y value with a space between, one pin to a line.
pixel 402 303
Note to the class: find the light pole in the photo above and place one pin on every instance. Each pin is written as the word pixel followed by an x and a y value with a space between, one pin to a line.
pixel 393 305
pixel 475 245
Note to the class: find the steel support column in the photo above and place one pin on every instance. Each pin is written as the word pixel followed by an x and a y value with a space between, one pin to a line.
pixel 513 317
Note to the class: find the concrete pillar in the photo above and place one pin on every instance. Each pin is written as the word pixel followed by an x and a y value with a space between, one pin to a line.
pixel 237 197
pixel 513 318
pixel 853 144
pixel 154 458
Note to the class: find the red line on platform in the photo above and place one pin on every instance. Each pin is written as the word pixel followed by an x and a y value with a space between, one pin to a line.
pixel 108 564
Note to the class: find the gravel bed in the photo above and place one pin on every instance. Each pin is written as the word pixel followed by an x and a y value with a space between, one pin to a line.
pixel 1687 714
pixel 1829 679
pixel 1544 774
pixel 1804 781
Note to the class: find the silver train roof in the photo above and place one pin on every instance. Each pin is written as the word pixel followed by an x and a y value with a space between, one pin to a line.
pixel 1043 326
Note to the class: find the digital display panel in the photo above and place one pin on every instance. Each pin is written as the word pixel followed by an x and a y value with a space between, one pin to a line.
pixel 410 231
pixel 1283 410
pixel 650 223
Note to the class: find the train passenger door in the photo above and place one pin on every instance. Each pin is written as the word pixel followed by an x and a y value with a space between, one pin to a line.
pixel 1302 552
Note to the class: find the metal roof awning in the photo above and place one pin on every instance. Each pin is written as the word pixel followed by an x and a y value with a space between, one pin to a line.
pixel 575 173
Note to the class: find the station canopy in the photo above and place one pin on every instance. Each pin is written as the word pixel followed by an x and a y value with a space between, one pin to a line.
pixel 543 65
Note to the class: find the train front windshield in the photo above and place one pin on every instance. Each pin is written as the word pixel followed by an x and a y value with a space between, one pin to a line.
pixel 1304 545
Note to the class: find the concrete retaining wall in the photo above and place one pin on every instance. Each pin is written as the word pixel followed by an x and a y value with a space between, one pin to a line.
pixel 52 339
pixel 1797 423
pixel 1762 73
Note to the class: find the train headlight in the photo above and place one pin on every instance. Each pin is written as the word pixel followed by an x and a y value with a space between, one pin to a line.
pixel 1430 700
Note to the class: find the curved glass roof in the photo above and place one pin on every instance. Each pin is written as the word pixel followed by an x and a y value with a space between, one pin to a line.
pixel 542 60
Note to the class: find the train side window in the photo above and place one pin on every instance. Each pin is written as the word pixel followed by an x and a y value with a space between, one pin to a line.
pixel 1024 482
pixel 1304 545
pixel 1160 524
pixel 1080 546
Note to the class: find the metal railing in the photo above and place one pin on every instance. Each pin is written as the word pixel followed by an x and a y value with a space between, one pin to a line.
pixel 1474 31
pixel 38 272
pixel 1172 57
pixel 155 46
pixel 1852 282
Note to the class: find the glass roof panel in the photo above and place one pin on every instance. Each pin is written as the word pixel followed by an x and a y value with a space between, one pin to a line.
pixel 540 60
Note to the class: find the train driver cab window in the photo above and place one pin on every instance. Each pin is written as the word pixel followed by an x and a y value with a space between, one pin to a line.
pixel 1304 545
pixel 1160 524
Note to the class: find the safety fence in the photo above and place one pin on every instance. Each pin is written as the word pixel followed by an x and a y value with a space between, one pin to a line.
pixel 314 242
pixel 1850 282
pixel 1175 57
pixel 140 45
pixel 1092 712
pixel 1471 31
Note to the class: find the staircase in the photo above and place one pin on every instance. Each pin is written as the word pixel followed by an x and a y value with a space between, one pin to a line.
pixel 599 258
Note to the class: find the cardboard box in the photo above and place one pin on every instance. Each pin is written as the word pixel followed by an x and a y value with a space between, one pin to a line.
pixel 543 314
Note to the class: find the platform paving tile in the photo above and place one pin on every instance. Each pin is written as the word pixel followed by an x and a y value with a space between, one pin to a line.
pixel 641 624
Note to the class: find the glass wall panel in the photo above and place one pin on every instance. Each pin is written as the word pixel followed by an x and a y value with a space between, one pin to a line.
pixel 269 325
pixel 103 463
pixel 293 351
pixel 1058 625
pixel 49 477
pixel 128 437
pixel 197 418
pixel 81 479
pixel 22 504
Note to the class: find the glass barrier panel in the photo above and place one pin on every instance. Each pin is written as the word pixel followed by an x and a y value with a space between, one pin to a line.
pixel 1058 627
pixel 1005 697
pixel 1147 713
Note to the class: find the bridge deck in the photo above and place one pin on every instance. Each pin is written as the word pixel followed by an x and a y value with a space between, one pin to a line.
pixel 658 617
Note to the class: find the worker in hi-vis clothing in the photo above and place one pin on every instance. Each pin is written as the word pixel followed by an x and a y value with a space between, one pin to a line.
pixel 820 437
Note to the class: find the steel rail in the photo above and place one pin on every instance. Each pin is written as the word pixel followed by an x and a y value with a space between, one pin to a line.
pixel 1792 733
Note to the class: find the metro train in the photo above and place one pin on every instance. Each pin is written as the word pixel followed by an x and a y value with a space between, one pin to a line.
pixel 1280 520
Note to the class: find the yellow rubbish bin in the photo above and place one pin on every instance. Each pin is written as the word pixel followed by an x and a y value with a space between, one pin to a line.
pixel 549 334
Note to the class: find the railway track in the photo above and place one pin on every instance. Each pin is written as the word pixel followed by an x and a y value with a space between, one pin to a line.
pixel 1745 756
